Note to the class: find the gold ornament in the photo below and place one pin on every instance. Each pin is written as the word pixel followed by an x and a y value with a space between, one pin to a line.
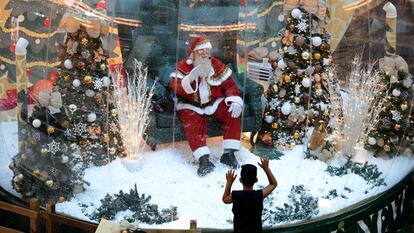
pixel 49 183
pixel 275 126
pixel 114 112
pixel 103 67
pixel 112 150
pixel 387 148
pixel 61 199
pixel 66 78
pixel 36 172
pixel 18 189
pixel 285 49
pixel 296 135
pixel 84 41
pixel 20 177
pixel 23 156
pixel 287 79
pixel 404 106
pixel 305 55
pixel 317 56
pixel 319 92
pixel 87 79
pixel 397 127
pixel 12 165
pixel 50 130
pixel 106 138
pixel 297 100
pixel 84 154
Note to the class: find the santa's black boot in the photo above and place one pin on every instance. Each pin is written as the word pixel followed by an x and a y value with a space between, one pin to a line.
pixel 205 166
pixel 229 159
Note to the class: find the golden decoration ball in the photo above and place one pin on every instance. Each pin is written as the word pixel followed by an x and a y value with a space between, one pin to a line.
pixel 296 135
pixel 404 106
pixel 317 56
pixel 106 138
pixel 397 127
pixel 36 172
pixel 387 148
pixel 287 79
pixel 61 199
pixel 87 79
pixel 84 154
pixel 50 130
pixel 84 41
pixel 112 150
pixel 66 78
pixel 49 183
pixel 275 126
pixel 23 156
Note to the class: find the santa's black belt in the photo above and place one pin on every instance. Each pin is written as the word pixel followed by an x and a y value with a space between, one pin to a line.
pixel 195 103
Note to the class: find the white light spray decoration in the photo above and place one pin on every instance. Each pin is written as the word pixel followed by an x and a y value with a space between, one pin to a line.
pixel 133 104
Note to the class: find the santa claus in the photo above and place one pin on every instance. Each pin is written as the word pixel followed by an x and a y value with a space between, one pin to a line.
pixel 203 86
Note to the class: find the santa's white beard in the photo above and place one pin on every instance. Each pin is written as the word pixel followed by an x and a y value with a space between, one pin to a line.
pixel 205 63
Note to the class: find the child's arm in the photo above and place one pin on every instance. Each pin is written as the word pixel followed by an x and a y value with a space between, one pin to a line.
pixel 230 177
pixel 272 180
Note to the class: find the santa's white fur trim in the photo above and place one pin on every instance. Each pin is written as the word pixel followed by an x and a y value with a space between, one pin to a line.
pixel 216 81
pixel 234 99
pixel 231 144
pixel 201 151
pixel 206 45
pixel 209 110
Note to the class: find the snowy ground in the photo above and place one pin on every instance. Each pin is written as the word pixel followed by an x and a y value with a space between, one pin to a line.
pixel 169 176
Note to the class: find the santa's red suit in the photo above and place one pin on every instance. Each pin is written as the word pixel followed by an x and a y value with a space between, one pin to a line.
pixel 211 95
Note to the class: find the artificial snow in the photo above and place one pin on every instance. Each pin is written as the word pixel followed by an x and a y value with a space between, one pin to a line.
pixel 169 176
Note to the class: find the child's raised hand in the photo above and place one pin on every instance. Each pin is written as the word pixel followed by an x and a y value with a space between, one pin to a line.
pixel 230 176
pixel 264 163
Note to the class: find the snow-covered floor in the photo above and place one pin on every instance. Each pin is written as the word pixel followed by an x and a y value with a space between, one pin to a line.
pixel 169 176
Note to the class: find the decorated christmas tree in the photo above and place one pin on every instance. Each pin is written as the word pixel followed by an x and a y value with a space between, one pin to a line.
pixel 299 95
pixel 74 124
pixel 394 129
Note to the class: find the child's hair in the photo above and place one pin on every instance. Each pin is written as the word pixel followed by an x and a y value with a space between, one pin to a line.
pixel 248 174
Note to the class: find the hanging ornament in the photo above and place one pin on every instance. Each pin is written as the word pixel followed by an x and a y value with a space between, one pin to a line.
pixel 43 151
pixel 300 41
pixel 324 47
pixel 296 135
pixel 80 65
pixel 396 92
pixel 325 61
pixel 296 13
pixel 275 126
pixel 387 148
pixel 112 150
pixel 319 92
pixel 106 138
pixel 306 82
pixel 305 55
pixel 87 79
pixel 85 53
pixel 61 199
pixel 297 100
pixel 106 81
pixel 76 83
pixel 49 183
pixel 46 22
pixel 291 65
pixel 317 56
pixel 380 142
pixel 36 123
pixel 397 127
pixel 407 82
pixel 269 118
pixel 91 117
pixel 316 41
pixel 372 141
pixel 275 88
pixel 281 64
pixel 286 108
pixel 64 159
pixel 12 48
pixel 287 79
pixel 103 67
pixel 68 64
pixel 404 106
pixel 89 93
pixel 36 172
pixel 72 108
pixel 317 78
pixel 299 74
pixel 282 92
pixel 50 130
pixel 114 113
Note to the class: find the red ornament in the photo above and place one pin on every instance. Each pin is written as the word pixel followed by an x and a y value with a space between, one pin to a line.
pixel 101 5
pixel 12 48
pixel 53 79
pixel 29 72
pixel 46 22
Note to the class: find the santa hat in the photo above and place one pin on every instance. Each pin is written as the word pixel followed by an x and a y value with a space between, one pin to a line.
pixel 200 42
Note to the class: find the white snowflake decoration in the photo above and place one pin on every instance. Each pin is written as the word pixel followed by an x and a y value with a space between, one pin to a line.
pixel 297 89
pixel 302 26
pixel 113 127
pixel 80 128
pixel 98 84
pixel 53 147
pixel 396 116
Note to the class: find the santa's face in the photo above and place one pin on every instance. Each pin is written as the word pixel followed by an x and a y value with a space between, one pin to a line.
pixel 202 57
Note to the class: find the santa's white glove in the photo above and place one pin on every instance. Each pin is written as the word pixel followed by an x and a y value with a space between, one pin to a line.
pixel 235 109
pixel 194 74
pixel 390 10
